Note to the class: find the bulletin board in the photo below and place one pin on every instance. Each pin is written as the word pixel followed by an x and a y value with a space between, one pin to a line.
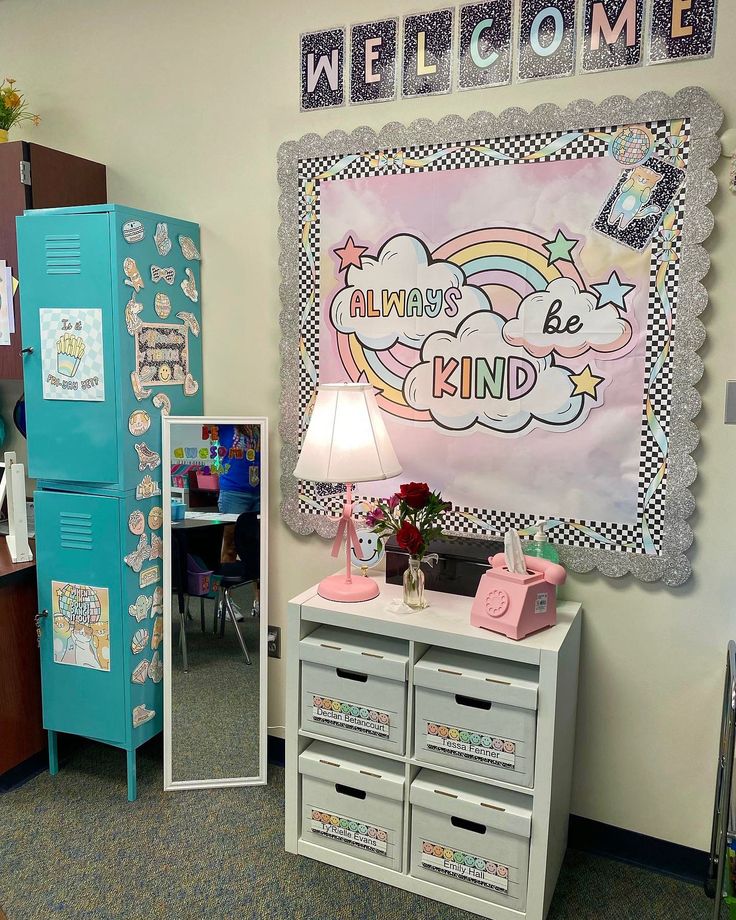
pixel 522 292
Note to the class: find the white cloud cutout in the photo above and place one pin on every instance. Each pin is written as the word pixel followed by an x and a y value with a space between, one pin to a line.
pixel 479 348
pixel 403 265
pixel 544 315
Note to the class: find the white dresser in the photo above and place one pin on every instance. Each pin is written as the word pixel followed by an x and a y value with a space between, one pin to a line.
pixel 429 754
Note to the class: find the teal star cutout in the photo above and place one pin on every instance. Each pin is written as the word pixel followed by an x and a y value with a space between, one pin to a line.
pixel 560 248
pixel 613 291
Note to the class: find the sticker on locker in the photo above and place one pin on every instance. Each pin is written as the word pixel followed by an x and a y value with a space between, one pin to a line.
pixel 471 745
pixel 465 866
pixel 348 830
pixel 348 715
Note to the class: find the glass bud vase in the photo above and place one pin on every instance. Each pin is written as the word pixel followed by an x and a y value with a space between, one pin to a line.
pixel 414 584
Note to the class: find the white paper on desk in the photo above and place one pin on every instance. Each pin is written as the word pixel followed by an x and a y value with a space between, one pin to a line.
pixel 6 304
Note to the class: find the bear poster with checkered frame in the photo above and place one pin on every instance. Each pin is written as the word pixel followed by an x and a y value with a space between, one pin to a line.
pixel 522 291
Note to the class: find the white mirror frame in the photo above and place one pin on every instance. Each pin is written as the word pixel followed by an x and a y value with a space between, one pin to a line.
pixel 261 778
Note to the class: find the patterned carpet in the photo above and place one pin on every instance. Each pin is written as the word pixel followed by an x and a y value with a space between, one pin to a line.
pixel 72 847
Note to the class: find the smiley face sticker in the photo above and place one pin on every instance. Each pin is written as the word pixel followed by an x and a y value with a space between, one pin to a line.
pixel 155 517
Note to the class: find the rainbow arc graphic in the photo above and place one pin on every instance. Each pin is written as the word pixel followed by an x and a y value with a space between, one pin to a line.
pixel 506 263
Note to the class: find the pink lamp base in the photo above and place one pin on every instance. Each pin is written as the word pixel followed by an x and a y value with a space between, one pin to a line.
pixel 338 588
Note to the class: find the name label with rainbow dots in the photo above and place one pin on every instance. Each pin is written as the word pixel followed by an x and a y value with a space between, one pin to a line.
pixel 350 715
pixel 355 833
pixel 466 866
pixel 470 744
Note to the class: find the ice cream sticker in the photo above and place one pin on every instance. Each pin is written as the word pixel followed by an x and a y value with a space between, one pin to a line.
pixel 72 358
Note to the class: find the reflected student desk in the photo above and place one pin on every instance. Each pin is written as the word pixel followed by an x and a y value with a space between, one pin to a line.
pixel 21 728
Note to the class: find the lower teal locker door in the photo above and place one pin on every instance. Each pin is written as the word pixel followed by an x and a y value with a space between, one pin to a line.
pixel 82 656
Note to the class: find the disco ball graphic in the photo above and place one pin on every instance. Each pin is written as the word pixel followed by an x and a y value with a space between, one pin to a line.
pixel 631 146
pixel 80 604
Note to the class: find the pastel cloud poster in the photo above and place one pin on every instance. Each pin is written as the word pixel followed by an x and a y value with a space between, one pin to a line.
pixel 504 299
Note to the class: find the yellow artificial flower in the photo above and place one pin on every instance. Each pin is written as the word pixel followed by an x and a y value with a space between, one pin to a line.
pixel 9 80
pixel 36 120
pixel 11 100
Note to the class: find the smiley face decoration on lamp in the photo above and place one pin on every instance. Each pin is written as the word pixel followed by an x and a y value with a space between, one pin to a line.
pixel 347 442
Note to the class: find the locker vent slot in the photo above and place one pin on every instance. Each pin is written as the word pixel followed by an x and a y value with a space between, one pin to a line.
pixel 75 530
pixel 63 254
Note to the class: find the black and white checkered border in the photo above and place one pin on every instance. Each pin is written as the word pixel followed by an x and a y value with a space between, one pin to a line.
pixel 476 521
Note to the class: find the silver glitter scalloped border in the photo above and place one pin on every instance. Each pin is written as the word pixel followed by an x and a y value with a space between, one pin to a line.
pixel 672 565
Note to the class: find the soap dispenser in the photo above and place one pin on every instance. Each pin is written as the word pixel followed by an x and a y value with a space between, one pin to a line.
pixel 540 546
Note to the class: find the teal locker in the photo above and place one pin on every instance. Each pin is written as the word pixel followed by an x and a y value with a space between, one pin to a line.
pixel 111 305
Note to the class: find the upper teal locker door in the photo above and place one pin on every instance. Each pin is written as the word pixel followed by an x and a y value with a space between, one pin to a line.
pixel 84 660
pixel 66 290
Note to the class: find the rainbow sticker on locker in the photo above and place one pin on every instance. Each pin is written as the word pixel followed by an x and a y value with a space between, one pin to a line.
pixel 471 745
pixel 466 866
pixel 350 831
pixel 352 716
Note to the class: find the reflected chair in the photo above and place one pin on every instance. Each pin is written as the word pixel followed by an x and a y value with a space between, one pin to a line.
pixel 247 570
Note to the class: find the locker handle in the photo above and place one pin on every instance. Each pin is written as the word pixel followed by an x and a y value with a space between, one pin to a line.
pixel 351 675
pixel 468 825
pixel 471 701
pixel 350 790
pixel 28 350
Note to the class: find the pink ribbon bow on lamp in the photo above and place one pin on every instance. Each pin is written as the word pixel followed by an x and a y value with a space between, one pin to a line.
pixel 347 524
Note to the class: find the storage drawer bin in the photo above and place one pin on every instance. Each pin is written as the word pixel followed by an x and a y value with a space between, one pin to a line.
pixel 354 687
pixel 476 715
pixel 471 837
pixel 353 803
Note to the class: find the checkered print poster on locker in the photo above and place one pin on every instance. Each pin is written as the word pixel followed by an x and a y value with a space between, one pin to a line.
pixel 564 249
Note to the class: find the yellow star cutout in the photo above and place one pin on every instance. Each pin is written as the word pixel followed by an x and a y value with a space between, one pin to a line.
pixel 586 383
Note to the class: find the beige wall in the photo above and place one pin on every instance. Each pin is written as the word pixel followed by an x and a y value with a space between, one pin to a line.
pixel 187 103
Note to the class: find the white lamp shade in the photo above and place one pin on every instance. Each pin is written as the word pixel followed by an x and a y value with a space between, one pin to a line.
pixel 346 440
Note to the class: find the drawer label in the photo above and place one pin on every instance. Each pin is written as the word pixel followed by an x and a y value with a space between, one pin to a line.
pixel 465 866
pixel 471 745
pixel 329 711
pixel 355 833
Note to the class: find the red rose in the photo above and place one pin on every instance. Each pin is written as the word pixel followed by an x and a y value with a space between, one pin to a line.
pixel 415 494
pixel 409 538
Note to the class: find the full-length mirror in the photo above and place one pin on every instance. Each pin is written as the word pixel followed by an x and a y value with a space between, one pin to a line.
pixel 215 494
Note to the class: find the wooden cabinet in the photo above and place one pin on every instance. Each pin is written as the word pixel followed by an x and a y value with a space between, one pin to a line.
pixel 21 731
pixel 32 176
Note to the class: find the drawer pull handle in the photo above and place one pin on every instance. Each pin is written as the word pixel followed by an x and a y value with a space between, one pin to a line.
pixel 350 790
pixel 337 648
pixel 368 773
pixel 450 795
pixel 466 825
pixel 330 763
pixel 495 680
pixel 494 807
pixel 351 675
pixel 471 701
pixel 371 654
pixel 448 671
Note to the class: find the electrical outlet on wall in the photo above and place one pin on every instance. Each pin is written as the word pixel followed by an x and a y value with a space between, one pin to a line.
pixel 730 415
pixel 274 641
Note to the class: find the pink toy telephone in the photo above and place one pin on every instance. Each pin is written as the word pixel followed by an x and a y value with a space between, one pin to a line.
pixel 517 605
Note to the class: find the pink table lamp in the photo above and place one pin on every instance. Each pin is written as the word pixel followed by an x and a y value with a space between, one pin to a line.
pixel 347 442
